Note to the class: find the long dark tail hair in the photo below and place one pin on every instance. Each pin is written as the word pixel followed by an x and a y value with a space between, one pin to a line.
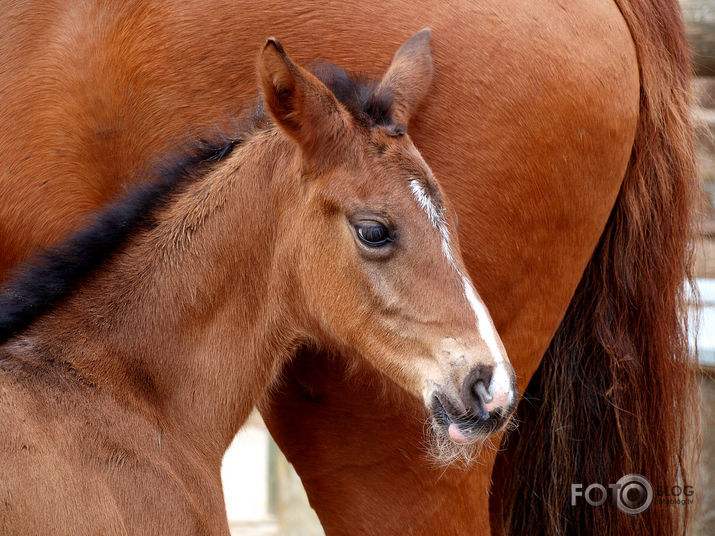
pixel 617 391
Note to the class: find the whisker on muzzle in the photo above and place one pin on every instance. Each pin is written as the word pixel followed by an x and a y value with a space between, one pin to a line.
pixel 445 453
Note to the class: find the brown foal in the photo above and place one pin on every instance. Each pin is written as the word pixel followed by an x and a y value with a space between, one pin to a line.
pixel 134 352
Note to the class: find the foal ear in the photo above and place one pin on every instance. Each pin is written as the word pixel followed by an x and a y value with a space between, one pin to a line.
pixel 409 76
pixel 299 103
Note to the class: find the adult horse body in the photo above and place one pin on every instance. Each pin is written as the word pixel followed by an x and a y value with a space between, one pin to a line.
pixel 561 134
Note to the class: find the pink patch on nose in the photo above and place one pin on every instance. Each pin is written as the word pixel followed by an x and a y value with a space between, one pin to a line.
pixel 456 435
pixel 499 400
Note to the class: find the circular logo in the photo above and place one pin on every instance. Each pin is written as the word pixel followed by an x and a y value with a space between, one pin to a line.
pixel 634 494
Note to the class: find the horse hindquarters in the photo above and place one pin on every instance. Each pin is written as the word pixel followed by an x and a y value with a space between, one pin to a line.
pixel 618 375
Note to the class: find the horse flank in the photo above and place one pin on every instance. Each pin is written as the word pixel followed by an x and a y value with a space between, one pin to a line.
pixel 619 375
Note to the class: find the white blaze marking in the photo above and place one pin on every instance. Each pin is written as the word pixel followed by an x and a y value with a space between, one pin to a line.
pixel 500 378
pixel 436 218
pixel 425 202
pixel 484 321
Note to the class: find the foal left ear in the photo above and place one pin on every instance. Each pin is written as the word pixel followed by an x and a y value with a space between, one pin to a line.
pixel 409 76
pixel 299 103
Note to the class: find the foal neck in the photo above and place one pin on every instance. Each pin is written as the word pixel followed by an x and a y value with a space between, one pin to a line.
pixel 192 319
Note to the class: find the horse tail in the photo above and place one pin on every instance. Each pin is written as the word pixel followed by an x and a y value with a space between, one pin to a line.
pixel 617 391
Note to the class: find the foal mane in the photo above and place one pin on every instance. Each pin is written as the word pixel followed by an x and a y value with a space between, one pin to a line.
pixel 53 273
pixel 369 105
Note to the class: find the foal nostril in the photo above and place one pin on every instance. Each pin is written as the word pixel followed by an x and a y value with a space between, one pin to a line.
pixel 475 389
pixel 487 389
pixel 482 393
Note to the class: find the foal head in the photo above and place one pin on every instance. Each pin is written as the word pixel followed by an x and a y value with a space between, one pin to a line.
pixel 379 267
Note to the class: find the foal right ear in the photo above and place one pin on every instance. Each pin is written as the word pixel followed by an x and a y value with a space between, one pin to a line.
pixel 409 76
pixel 300 103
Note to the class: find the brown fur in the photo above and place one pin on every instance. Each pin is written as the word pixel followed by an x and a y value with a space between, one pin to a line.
pixel 529 128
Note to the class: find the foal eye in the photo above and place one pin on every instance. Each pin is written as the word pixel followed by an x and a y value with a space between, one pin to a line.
pixel 372 233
